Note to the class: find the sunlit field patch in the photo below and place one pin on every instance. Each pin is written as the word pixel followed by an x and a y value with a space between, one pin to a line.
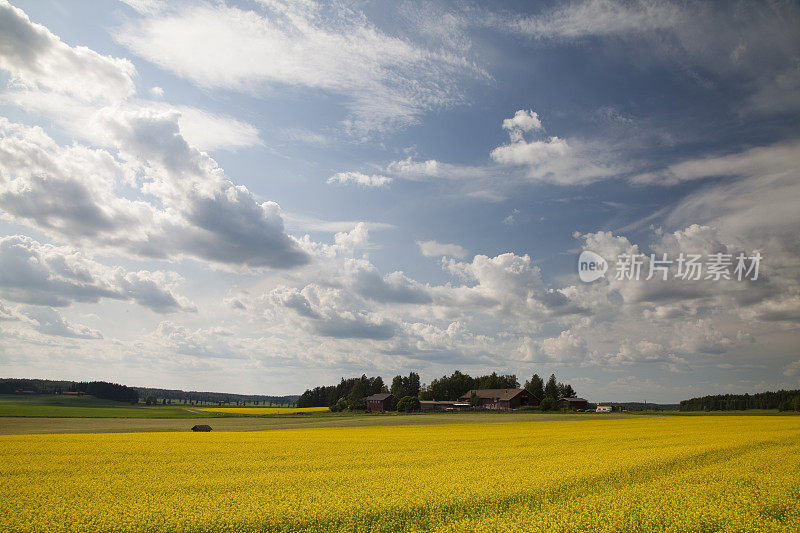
pixel 665 474
pixel 263 410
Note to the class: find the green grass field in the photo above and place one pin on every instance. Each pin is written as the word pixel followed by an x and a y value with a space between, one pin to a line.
pixel 38 425
pixel 38 414
pixel 53 405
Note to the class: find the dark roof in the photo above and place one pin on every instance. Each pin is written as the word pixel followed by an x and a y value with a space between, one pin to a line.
pixel 378 397
pixel 201 427
pixel 499 394
pixel 574 400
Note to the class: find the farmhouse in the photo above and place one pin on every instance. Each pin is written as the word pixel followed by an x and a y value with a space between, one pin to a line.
pixel 573 403
pixel 201 427
pixel 378 403
pixel 500 399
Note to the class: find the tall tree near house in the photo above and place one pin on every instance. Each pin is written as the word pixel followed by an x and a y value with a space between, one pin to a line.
pixel 551 389
pixel 536 386
pixel 360 390
pixel 565 390
pixel 398 391
pixel 493 381
pixel 398 387
pixel 375 385
pixel 459 384
pixel 403 386
pixel 449 387
pixel 413 384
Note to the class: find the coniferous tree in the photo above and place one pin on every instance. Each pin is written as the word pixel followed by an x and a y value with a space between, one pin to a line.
pixel 413 384
pixel 565 390
pixel 536 386
pixel 551 389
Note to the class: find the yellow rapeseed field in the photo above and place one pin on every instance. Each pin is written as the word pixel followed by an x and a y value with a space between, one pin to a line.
pixel 726 473
pixel 263 410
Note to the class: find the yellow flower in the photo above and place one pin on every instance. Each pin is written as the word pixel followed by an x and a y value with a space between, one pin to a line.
pixel 640 474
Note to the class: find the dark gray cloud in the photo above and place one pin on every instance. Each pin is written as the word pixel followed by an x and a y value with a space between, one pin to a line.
pixel 233 228
pixel 332 313
pixel 355 328
pixel 70 192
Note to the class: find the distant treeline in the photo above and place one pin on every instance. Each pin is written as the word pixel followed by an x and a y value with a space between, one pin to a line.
pixel 350 393
pixel 39 386
pixel 214 397
pixel 111 391
pixel 99 389
pixel 785 400
pixel 642 406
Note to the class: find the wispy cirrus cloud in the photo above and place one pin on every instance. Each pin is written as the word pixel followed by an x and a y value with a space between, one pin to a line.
pixel 360 179
pixel 387 81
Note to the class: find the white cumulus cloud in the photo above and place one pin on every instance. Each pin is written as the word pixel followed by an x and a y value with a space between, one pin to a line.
pixel 438 249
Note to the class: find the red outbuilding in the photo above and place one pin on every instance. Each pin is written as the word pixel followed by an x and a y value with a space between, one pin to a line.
pixel 378 403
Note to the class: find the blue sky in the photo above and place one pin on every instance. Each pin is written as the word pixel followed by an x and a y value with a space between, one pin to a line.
pixel 265 196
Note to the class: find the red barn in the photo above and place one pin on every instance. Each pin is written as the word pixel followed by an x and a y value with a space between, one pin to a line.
pixel 378 403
